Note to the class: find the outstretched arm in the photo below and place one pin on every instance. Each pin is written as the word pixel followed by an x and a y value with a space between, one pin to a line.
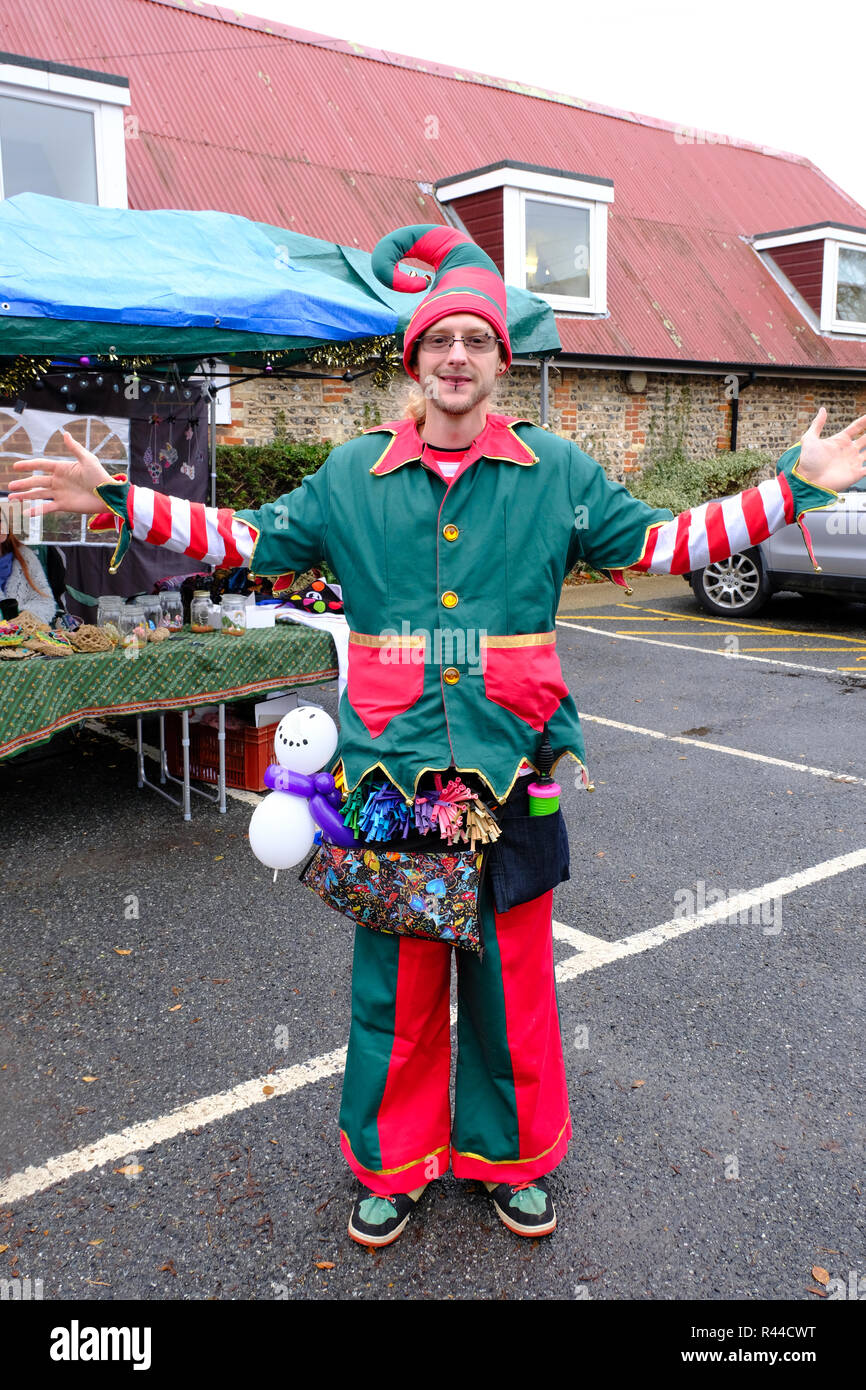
pixel 623 533
pixel 292 529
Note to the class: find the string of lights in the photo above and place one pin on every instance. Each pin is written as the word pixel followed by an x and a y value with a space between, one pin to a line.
pixel 22 373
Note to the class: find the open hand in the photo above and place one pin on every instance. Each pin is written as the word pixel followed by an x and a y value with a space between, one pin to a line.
pixel 837 462
pixel 61 486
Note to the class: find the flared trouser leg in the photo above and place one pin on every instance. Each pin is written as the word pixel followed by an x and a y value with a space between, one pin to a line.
pixel 511 1117
pixel 395 1114
pixel 511 1120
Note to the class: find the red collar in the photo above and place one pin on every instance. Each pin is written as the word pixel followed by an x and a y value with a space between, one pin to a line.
pixel 496 441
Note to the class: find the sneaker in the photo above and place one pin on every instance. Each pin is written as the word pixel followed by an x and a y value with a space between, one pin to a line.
pixel 524 1207
pixel 378 1220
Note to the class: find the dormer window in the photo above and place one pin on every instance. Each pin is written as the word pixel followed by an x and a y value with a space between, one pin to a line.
pixel 823 269
pixel 851 285
pixel 62 132
pixel 545 229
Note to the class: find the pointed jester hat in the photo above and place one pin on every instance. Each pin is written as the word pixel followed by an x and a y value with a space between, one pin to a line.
pixel 466 280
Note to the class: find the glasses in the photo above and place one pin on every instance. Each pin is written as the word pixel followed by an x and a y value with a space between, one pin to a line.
pixel 442 342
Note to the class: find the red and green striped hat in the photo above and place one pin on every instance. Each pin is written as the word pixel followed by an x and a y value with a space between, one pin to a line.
pixel 466 280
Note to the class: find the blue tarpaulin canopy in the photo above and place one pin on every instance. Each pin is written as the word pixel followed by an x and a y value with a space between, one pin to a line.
pixel 79 279
pixel 65 260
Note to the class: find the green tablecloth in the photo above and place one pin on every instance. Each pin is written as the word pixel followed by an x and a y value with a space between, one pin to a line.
pixel 40 696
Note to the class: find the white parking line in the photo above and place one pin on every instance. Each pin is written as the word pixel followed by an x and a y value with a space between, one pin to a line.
pixel 723 748
pixel 604 952
pixel 592 954
pixel 684 647
pixel 136 1138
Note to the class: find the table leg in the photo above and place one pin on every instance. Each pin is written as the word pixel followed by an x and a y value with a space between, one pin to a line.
pixel 221 741
pixel 140 740
pixel 187 815
pixel 165 776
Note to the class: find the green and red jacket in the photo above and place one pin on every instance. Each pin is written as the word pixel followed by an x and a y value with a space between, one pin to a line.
pixel 451 588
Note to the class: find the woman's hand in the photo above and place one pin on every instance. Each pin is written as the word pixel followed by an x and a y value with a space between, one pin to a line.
pixel 837 462
pixel 62 486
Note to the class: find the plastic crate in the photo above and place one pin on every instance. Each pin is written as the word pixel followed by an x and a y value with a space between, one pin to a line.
pixel 249 752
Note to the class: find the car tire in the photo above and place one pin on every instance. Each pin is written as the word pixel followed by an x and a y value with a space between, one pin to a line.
pixel 735 587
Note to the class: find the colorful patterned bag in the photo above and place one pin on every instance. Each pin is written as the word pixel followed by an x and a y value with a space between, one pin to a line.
pixel 431 895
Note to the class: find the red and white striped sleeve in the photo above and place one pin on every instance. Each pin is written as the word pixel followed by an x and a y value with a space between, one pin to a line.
pixel 617 531
pixel 273 541
pixel 216 535
pixel 213 534
pixel 715 530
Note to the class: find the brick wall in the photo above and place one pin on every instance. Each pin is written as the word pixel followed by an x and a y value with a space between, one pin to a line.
pixel 623 431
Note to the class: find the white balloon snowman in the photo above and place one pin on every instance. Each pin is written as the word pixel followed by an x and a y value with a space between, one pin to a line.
pixel 283 826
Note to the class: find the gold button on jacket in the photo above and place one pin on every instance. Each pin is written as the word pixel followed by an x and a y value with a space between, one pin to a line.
pixel 449 598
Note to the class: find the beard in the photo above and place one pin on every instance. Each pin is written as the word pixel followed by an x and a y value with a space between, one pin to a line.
pixel 439 398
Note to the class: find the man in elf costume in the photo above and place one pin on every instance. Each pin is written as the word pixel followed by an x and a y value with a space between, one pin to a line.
pixel 457 521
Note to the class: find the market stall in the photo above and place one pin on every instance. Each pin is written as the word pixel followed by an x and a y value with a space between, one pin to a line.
pixel 39 698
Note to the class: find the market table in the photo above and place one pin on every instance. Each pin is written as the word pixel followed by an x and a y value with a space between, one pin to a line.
pixel 41 696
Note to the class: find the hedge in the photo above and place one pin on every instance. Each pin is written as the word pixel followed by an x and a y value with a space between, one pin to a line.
pixel 249 475
pixel 678 483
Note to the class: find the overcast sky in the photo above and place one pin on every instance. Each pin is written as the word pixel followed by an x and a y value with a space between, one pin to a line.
pixel 789 75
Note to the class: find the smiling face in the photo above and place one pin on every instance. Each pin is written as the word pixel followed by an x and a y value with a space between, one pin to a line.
pixel 305 739
pixel 456 381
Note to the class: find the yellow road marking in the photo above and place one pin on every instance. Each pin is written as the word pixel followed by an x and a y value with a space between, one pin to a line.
pixel 715 622
pixel 730 623
pixel 793 649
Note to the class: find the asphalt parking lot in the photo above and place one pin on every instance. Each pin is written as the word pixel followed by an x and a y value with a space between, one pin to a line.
pixel 173 1022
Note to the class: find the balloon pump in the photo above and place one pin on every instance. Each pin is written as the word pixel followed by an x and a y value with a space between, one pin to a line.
pixel 544 792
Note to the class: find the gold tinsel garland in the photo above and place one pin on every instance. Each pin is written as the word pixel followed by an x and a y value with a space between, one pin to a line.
pixel 358 354
pixel 16 376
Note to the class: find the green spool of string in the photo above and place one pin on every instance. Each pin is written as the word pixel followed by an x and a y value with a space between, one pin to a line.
pixel 544 793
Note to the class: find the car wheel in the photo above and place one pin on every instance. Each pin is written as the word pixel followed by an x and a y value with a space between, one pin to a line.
pixel 732 588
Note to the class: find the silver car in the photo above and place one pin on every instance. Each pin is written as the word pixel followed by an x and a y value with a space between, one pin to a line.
pixel 744 583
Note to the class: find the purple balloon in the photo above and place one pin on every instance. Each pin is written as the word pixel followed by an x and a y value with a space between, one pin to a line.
pixel 321 792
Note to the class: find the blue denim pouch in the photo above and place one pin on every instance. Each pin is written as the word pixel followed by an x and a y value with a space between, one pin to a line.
pixel 531 855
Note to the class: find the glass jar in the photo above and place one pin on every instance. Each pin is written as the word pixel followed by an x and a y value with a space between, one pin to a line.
pixel 132 626
pixel 171 607
pixel 233 615
pixel 199 612
pixel 107 609
pixel 150 607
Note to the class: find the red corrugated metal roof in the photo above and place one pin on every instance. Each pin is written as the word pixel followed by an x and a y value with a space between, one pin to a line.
pixel 330 138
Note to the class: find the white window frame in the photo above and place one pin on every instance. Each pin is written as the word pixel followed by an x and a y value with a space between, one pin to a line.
pixel 103 100
pixel 830 287
pixel 571 190
pixel 514 210
pixel 834 239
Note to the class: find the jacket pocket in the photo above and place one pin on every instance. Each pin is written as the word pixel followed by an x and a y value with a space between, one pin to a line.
pixel 522 673
pixel 385 677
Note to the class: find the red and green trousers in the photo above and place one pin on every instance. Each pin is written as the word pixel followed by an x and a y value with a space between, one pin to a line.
pixel 511 1120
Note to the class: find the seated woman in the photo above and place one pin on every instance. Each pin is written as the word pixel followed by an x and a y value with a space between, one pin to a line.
pixel 22 577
